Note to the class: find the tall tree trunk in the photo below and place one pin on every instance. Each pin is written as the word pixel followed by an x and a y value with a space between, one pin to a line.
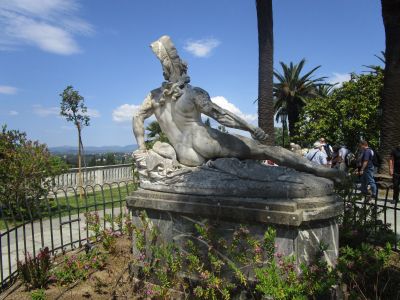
pixel 265 68
pixel 293 117
pixel 390 128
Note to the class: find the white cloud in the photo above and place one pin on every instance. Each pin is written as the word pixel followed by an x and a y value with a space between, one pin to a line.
pixel 124 113
pixel 47 24
pixel 339 78
pixel 224 103
pixel 45 111
pixel 201 48
pixel 41 111
pixel 8 90
pixel 13 113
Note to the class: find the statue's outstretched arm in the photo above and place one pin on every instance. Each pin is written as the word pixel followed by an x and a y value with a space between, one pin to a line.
pixel 225 117
pixel 145 111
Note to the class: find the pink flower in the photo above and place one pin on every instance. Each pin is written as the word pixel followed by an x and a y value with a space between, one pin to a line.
pixel 149 292
pixel 204 275
pixel 257 249
pixel 52 278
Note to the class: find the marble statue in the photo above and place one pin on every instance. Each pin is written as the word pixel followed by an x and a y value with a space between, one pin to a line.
pixel 206 175
pixel 178 107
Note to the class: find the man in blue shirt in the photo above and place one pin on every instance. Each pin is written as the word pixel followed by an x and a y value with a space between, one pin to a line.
pixel 366 169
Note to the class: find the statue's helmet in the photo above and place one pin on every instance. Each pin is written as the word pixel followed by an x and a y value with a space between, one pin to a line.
pixel 174 68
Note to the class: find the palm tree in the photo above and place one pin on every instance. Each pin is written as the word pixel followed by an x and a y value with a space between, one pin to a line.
pixel 324 90
pixel 390 129
pixel 292 90
pixel 265 68
pixel 154 134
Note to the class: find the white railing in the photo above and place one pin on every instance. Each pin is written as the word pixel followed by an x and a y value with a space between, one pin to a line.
pixel 94 175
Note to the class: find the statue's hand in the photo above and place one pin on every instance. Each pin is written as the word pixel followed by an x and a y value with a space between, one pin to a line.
pixel 259 134
pixel 139 154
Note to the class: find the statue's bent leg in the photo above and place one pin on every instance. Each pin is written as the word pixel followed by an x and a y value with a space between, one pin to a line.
pixel 286 158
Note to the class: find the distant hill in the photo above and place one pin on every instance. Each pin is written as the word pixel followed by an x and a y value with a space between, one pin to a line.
pixel 92 149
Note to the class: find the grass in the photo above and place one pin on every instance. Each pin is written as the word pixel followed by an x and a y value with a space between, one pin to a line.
pixel 70 202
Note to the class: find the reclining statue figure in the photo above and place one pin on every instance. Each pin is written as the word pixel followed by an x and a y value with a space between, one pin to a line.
pixel 178 106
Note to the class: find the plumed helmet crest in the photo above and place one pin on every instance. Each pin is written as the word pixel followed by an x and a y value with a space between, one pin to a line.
pixel 166 52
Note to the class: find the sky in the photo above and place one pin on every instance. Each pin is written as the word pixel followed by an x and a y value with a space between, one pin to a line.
pixel 101 48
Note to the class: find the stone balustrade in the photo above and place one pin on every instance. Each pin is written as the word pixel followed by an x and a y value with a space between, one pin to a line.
pixel 94 175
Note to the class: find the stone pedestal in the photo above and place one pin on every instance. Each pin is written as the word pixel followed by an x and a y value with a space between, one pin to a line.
pixel 301 223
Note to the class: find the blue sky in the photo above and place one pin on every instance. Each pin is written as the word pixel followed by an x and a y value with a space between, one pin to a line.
pixel 102 48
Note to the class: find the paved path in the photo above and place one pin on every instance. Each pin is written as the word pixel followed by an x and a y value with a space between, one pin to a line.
pixel 13 247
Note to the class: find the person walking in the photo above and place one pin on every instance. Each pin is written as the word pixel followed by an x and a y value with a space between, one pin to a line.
pixel 327 149
pixel 317 155
pixel 335 162
pixel 343 151
pixel 366 169
pixel 394 171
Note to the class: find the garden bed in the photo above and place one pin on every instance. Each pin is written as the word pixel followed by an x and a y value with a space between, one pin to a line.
pixel 103 269
pixel 107 282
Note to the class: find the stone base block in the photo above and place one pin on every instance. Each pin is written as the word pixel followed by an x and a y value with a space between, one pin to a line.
pixel 301 224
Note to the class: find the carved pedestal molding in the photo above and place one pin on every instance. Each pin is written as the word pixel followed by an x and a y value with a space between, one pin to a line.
pixel 302 224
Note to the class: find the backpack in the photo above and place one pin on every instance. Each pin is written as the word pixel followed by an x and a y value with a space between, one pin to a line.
pixel 376 159
pixel 328 151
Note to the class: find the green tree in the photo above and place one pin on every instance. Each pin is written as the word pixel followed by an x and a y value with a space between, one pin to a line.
pixel 281 137
pixel 265 68
pixel 349 114
pixel 74 110
pixel 154 134
pixel 93 161
pixel 390 129
pixel 110 159
pixel 292 90
pixel 26 172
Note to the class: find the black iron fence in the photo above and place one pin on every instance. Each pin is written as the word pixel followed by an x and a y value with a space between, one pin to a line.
pixel 56 221
pixel 372 218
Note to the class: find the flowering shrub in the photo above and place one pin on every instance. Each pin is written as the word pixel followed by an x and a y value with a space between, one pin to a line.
pixel 78 267
pixel 93 224
pixel 107 235
pixel 35 271
pixel 218 267
pixel 128 227
pixel 109 239
pixel 279 279
pixel 366 271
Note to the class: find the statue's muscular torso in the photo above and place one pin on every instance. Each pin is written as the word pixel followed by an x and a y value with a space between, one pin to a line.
pixel 181 121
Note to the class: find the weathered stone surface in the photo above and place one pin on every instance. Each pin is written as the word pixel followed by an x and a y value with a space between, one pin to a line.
pixel 301 223
pixel 275 211
pixel 302 241
pixel 178 108
pixel 206 174
pixel 227 177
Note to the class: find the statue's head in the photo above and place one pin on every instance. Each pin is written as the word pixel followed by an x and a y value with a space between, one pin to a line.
pixel 174 69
